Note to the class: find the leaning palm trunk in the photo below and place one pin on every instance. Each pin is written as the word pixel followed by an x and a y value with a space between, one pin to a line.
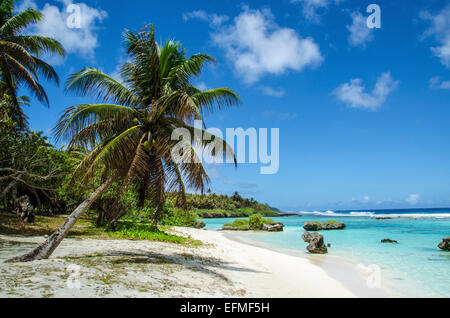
pixel 45 250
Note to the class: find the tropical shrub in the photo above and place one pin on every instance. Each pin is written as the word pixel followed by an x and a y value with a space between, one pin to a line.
pixel 256 222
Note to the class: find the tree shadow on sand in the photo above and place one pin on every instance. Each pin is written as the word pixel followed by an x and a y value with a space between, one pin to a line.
pixel 196 263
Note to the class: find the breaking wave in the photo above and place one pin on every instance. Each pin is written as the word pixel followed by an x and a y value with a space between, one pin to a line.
pixel 379 214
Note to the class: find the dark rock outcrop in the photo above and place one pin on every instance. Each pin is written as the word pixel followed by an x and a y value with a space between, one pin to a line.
pixel 445 245
pixel 25 210
pixel 312 226
pixel 333 225
pixel 389 241
pixel 200 225
pixel 316 243
pixel 276 227
pixel 384 218
pixel 269 227
pixel 327 226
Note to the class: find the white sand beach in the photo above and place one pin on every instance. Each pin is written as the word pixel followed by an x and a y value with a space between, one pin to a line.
pixel 221 268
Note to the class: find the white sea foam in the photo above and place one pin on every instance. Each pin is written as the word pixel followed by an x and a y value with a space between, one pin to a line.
pixel 375 215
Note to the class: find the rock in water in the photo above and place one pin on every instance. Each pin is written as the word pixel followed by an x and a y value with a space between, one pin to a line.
pixel 312 226
pixel 445 245
pixel 316 243
pixel 329 225
pixel 277 227
pixel 333 225
pixel 389 241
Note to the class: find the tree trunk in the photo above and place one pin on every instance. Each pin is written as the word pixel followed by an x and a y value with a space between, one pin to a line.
pixel 100 218
pixel 45 250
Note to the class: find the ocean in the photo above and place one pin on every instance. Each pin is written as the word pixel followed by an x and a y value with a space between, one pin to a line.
pixel 415 267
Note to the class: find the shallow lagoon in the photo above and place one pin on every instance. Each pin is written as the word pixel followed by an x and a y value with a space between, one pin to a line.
pixel 416 267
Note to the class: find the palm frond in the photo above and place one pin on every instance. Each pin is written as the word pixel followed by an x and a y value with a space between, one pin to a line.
pixel 90 81
pixel 78 117
pixel 20 21
pixel 219 98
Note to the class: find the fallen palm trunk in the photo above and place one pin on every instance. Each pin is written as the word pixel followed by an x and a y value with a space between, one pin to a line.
pixel 45 250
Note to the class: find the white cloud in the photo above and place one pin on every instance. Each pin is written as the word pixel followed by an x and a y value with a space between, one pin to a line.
pixel 273 92
pixel 25 4
pixel 257 46
pixel 82 41
pixel 413 199
pixel 439 83
pixel 312 8
pixel 212 19
pixel 354 95
pixel 440 30
pixel 360 34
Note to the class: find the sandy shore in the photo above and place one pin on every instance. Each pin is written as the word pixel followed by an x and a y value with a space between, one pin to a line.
pixel 221 268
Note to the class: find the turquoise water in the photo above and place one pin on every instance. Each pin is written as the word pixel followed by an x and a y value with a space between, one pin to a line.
pixel 415 267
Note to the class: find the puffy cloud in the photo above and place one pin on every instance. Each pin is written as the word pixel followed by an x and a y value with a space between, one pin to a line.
pixel 257 46
pixel 440 30
pixel 354 93
pixel 360 34
pixel 83 40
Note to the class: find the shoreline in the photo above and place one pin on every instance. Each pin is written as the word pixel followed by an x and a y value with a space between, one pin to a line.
pixel 221 268
pixel 339 268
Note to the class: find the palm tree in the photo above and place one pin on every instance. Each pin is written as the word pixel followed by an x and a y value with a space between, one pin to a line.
pixel 130 131
pixel 19 54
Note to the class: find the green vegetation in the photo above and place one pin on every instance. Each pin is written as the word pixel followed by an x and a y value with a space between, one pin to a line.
pixel 129 228
pixel 156 98
pixel 20 64
pixel 254 223
pixel 139 230
pixel 222 206
pixel 118 163
pixel 242 224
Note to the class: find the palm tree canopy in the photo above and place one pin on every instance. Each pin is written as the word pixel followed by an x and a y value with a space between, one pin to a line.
pixel 130 130
pixel 19 53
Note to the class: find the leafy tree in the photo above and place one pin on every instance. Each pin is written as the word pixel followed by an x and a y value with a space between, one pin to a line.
pixel 30 166
pixel 130 131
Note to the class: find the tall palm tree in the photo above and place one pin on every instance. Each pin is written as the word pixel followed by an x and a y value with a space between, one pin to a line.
pixel 19 54
pixel 130 131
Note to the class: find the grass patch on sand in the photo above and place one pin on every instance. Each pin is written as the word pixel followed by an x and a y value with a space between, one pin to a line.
pixel 85 228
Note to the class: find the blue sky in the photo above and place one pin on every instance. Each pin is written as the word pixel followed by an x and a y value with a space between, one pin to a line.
pixel 363 113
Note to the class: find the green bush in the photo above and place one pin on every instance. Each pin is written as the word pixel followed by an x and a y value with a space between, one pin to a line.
pixel 178 217
pixel 256 222
pixel 241 223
